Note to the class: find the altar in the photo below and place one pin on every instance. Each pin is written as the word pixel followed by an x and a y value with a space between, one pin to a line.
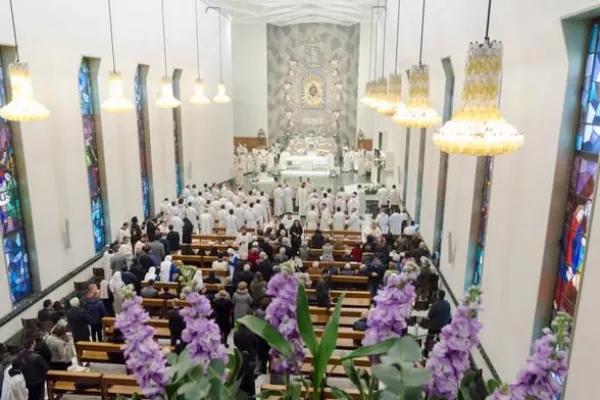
pixel 308 154
pixel 309 162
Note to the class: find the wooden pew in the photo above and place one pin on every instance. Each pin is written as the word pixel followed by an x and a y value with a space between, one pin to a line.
pixel 323 264
pixel 352 294
pixel 119 385
pixel 338 371
pixel 220 238
pixel 98 352
pixel 352 392
pixel 348 339
pixel 355 280
pixel 320 315
pixel 59 383
pixel 160 325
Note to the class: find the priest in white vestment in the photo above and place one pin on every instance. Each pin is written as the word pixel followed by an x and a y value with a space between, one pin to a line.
pixel 353 203
pixel 278 197
pixel 192 215
pixel 301 200
pixel 362 200
pixel 354 221
pixel 251 217
pixel 339 220
pixel 288 195
pixel 221 216
pixel 206 223
pixel 239 213
pixel 260 213
pixel 325 219
pixel 231 224
pixel 340 203
pixel 394 197
pixel 396 220
pixel 312 218
pixel 383 196
pixel 383 220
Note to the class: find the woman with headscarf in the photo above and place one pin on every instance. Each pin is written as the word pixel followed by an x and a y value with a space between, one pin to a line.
pixel 198 282
pixel 107 298
pixel 296 234
pixel 151 274
pixel 165 269
pixel 115 285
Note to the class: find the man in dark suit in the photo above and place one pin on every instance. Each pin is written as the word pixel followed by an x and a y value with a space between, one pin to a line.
pixel 176 323
pixel 129 278
pixel 46 316
pixel 79 321
pixel 157 249
pixel 163 240
pixel 34 371
pixel 438 316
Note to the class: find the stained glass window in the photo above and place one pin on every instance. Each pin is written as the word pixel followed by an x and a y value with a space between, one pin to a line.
pixel 92 160
pixel 485 206
pixel 177 139
pixel 11 214
pixel 582 186
pixel 141 106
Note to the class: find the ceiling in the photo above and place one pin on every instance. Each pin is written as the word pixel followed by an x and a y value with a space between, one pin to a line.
pixel 286 12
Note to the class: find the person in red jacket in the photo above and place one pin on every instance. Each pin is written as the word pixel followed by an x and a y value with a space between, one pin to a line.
pixel 253 257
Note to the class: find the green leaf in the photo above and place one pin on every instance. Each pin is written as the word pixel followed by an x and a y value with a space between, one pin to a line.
pixel 389 376
pixel 328 343
pixel 413 393
pixel 293 391
pixel 492 385
pixel 340 394
pixel 405 349
pixel 373 350
pixel 352 374
pixel 414 377
pixel 233 366
pixel 194 389
pixel 273 337
pixel 172 358
pixel 183 366
pixel 305 326
pixel 265 394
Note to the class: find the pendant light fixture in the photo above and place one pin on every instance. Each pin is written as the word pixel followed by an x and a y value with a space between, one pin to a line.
pixel 478 128
pixel 393 100
pixel 418 112
pixel 221 97
pixel 167 100
pixel 116 102
pixel 23 106
pixel 199 96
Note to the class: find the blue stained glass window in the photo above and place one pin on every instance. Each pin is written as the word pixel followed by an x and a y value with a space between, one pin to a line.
pixel 177 139
pixel 11 214
pixel 92 161
pixel 141 105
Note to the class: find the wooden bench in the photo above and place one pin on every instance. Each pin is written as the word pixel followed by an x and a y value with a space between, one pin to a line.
pixel 352 392
pixel 213 237
pixel 354 279
pixel 161 327
pixel 114 386
pixel 338 371
pixel 320 315
pixel 99 352
pixel 338 264
pixel 348 339
pixel 59 383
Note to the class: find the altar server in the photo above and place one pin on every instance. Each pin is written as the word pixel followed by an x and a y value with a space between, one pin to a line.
pixel 396 220
pixel 394 197
pixel 251 217
pixel 312 218
pixel 288 195
pixel 383 220
pixel 278 197
pixel 206 223
pixel 362 201
pixel 339 219
pixel 192 215
pixel 340 203
pixel 354 221
pixel 301 199
pixel 222 216
pixel 353 203
pixel 325 218
pixel 231 224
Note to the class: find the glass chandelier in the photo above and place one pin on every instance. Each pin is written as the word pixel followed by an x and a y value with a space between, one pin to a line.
pixel 418 113
pixel 199 95
pixel 22 107
pixel 221 97
pixel 116 101
pixel 166 100
pixel 393 101
pixel 478 127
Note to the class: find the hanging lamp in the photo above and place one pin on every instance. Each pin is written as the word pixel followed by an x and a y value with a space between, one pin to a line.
pixel 367 97
pixel 478 127
pixel 22 107
pixel 393 101
pixel 166 100
pixel 386 104
pixel 221 97
pixel 199 96
pixel 418 112
pixel 116 101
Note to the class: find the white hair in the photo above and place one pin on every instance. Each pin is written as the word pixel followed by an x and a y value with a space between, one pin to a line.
pixel 246 267
pixel 74 302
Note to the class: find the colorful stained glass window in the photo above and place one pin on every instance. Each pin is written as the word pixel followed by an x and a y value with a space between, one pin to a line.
pixel 11 214
pixel 141 106
pixel 92 161
pixel 583 185
pixel 177 139
pixel 485 206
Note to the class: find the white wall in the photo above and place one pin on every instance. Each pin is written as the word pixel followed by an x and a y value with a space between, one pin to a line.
pixel 517 239
pixel 249 61
pixel 364 118
pixel 53 36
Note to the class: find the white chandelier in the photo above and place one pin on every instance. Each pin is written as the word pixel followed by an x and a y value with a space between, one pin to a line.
pixel 417 113
pixel 167 99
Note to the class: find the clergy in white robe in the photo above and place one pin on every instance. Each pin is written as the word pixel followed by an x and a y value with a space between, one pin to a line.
pixel 283 159
pixel 383 220
pixel 383 196
pixel 270 162
pixel 362 201
pixel 239 215
pixel 231 224
pixel 260 213
pixel 164 206
pixel 242 240
pixel 312 218
pixel 177 224
pixel 340 203
pixel 216 193
pixel 301 200
pixel 221 217
pixel 353 203
pixel 328 201
pixel 371 230
pixel 288 221
pixel 192 215
pixel 360 164
pixel 325 223
pixel 313 201
pixel 251 217
pixel 339 220
pixel 347 166
pixel 278 197
pixel 288 195
pixel 394 197
pixel 396 221
pixel 264 200
pixel 354 221
pixel 206 223
pixel 186 192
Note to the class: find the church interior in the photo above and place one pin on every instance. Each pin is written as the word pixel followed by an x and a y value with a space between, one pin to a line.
pixel 342 199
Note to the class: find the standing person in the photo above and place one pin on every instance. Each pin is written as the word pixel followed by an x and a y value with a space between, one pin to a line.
pixel 251 217
pixel 394 197
pixel 325 222
pixel 396 222
pixel 439 316
pixel 177 223
pixel 383 196
pixel 376 271
pixel 288 195
pixel 188 230
pixel 339 220
pixel 174 239
pixel 296 236
pixel 242 301
pixel 61 348
pixel 151 230
pixel 206 222
pixel 231 224
pixel 301 197
pixel 13 382
pixel 278 197
pixel 176 323
pixel 312 218
pixel 156 248
pixel 107 298
pixel 123 232
pixel 362 201
pixel 354 221
pixel 260 213
pixel 223 307
pixel 383 220
pixel 328 201
pixel 242 240
pixel 115 285
pixel 165 269
pixel 96 311
pixel 192 215
pixel 247 343
pixel 222 216
pixel 353 203
pixel 34 371
pixel 136 230
pixel 322 290
pixel 258 288
pixel 79 321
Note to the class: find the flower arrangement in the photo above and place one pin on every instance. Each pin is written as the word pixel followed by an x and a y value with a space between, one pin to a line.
pixel 380 161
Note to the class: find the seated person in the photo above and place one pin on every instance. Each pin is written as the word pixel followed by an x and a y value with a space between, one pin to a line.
pixel 219 263
pixel 166 294
pixel 322 291
pixel 212 278
pixel 314 269
pixel 348 271
pixel 149 292
pixel 318 240
pixel 327 252
pixel 361 324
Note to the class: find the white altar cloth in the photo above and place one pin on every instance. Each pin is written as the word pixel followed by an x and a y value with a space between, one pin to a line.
pixel 308 163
